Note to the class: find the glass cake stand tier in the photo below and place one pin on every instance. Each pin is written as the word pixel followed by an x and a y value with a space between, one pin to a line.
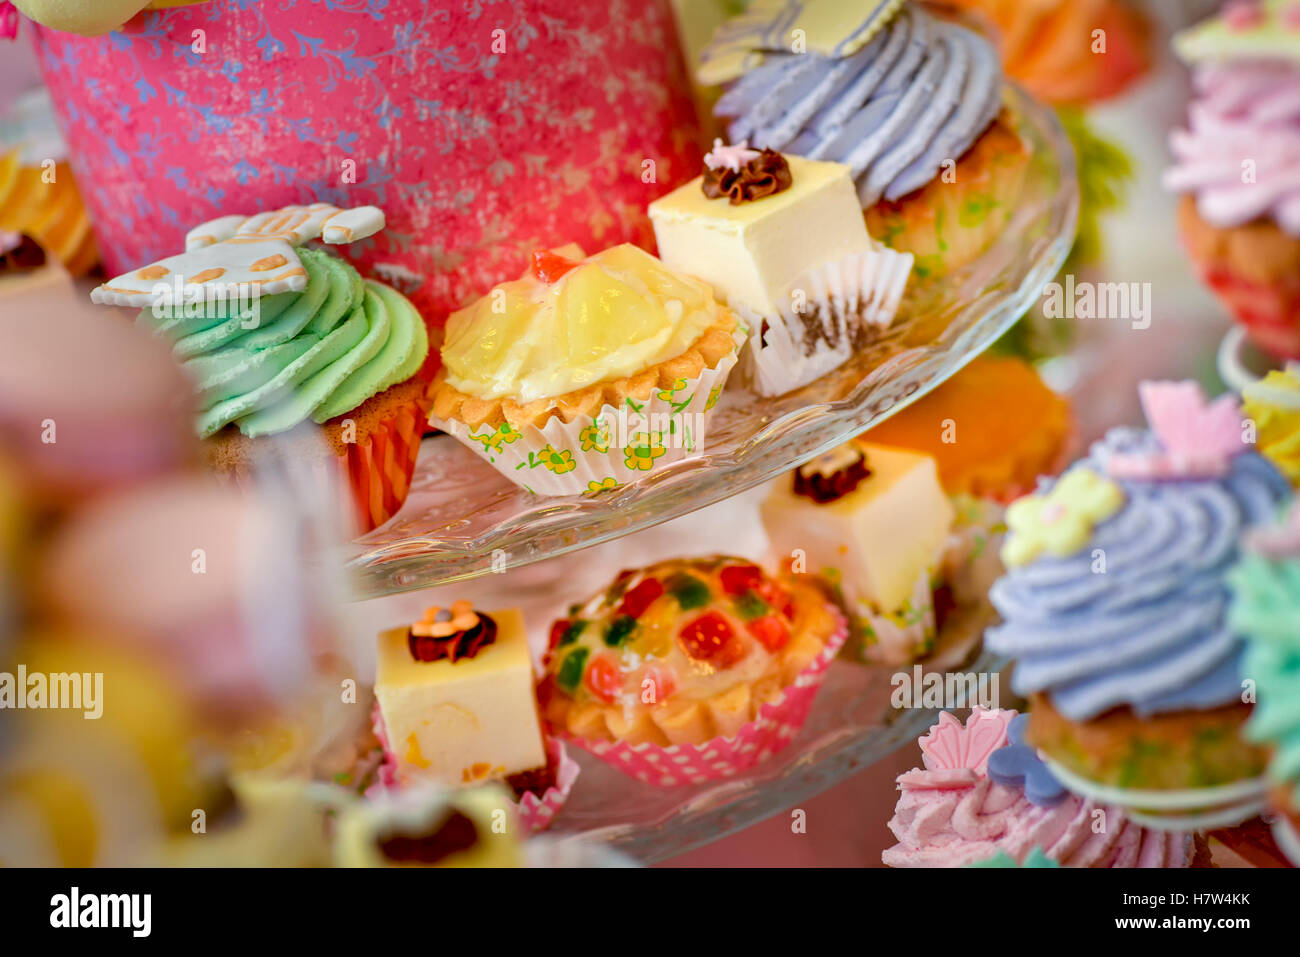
pixel 852 726
pixel 463 519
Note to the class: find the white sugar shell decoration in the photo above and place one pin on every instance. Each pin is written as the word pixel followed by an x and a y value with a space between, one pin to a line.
pixel 244 253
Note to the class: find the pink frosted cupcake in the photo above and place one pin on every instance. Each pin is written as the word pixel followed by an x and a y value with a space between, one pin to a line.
pixel 984 793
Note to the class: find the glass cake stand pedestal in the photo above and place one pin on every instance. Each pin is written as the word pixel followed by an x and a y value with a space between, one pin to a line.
pixel 463 519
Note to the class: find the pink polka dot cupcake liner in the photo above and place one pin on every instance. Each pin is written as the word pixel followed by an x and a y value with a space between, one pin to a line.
pixel 535 812
pixel 722 757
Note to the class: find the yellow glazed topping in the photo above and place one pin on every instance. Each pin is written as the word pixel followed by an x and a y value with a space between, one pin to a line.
pixel 572 321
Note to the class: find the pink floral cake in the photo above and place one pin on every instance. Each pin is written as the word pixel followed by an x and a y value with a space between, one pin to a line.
pixel 483 130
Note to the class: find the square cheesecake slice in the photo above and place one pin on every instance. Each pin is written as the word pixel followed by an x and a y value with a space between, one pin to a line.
pixel 462 718
pixel 753 252
pixel 874 521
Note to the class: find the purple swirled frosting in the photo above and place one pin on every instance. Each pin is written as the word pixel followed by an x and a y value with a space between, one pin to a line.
pixel 916 95
pixel 1138 616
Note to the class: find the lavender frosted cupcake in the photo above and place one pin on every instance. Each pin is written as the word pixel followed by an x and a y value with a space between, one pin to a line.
pixel 1115 603
pixel 912 104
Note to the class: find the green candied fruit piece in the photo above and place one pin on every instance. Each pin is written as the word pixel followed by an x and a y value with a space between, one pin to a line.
pixel 573 632
pixel 619 630
pixel 689 591
pixel 750 606
pixel 571 668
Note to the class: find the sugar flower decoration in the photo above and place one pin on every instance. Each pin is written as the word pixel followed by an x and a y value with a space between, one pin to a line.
pixel 1198 438
pixel 1060 522
pixel 442 622
pixel 732 157
pixel 1017 765
pixel 1281 541
pixel 956 755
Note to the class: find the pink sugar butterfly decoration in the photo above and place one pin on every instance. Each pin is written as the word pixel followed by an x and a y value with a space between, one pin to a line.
pixel 957 755
pixel 8 21
pixel 1198 438
pixel 733 157
pixel 1279 542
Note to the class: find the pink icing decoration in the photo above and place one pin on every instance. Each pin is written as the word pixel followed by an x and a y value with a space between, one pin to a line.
pixel 1243 111
pixel 950 824
pixel 952 746
pixel 733 157
pixel 8 21
pixel 1291 17
pixel 1198 438
pixel 1280 541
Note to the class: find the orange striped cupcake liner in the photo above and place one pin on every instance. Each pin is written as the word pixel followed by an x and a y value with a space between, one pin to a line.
pixel 378 469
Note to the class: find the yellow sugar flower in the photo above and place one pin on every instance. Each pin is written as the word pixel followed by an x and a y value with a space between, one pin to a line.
pixel 1060 522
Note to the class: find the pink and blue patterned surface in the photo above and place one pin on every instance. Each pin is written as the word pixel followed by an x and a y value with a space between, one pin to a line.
pixel 477 155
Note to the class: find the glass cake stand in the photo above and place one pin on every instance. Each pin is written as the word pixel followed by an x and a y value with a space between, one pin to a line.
pixel 852 726
pixel 463 519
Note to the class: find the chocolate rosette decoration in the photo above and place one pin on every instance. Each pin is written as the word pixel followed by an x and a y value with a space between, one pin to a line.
pixel 455 633
pixel 832 476
pixel 760 174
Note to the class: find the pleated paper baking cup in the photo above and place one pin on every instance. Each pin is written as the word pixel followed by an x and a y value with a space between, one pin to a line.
pixel 535 812
pixel 777 723
pixel 835 310
pixel 378 469
pixel 617 446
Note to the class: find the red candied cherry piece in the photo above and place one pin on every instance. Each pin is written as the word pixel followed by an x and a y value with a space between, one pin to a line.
pixel 557 632
pixel 603 679
pixel 737 579
pixel 708 637
pixel 777 597
pixel 770 630
pixel 549 266
pixel 638 599
pixel 545 691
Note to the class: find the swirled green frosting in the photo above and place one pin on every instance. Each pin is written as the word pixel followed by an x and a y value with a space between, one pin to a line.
pixel 1266 608
pixel 313 354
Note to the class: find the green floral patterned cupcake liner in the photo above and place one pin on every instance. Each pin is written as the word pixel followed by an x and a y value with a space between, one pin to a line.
pixel 619 445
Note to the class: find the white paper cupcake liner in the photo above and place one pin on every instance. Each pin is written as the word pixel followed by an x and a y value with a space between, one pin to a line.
pixel 614 448
pixel 845 298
